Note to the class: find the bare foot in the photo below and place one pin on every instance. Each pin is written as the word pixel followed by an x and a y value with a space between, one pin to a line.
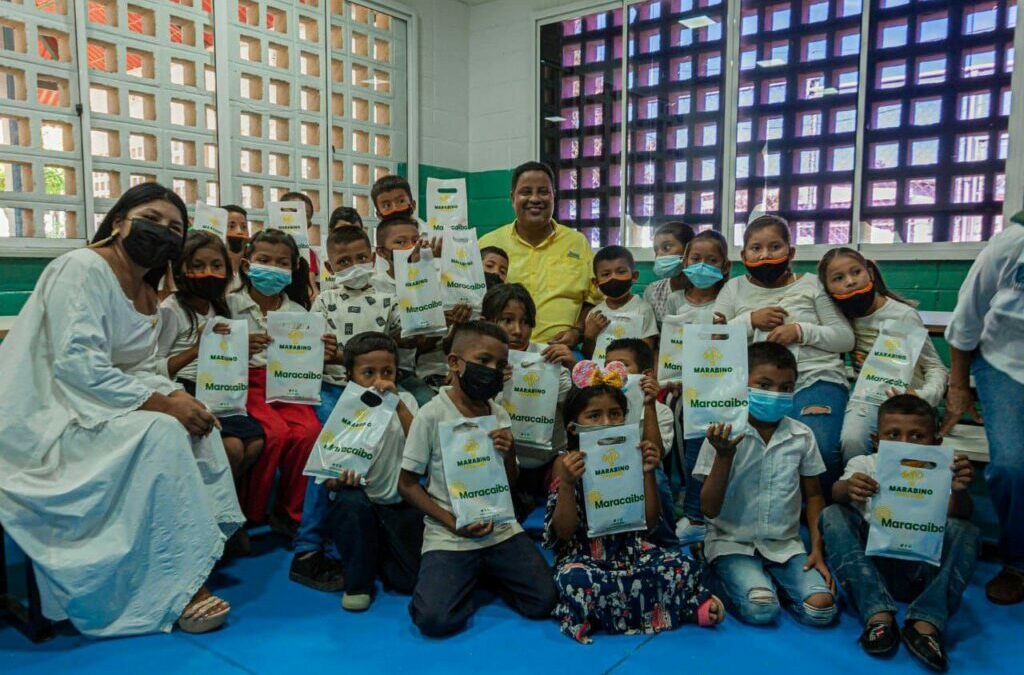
pixel 925 628
pixel 205 612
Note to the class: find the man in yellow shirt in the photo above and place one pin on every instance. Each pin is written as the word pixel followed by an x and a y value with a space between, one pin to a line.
pixel 552 261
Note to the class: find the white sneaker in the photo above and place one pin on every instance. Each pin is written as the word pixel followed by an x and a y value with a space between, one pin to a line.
pixel 356 602
pixel 689 533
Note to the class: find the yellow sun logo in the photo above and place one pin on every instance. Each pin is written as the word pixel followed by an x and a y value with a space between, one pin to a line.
pixel 691 394
pixel 610 457
pixel 274 367
pixel 288 219
pixel 414 272
pixel 509 407
pixel 205 379
pixel 531 379
pixel 361 414
pixel 444 199
pixel 594 496
pixel 215 221
pixel 457 489
pixel 446 278
pixel 912 476
pixel 891 344
pixel 295 335
pixel 460 253
pixel 223 344
pixel 404 303
pixel 619 331
pixel 712 355
pixel 882 512
pixel 471 448
pixel 326 438
pixel 666 361
pixel 432 221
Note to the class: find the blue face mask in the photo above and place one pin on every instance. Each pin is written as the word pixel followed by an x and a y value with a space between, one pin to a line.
pixel 703 275
pixel 267 279
pixel 667 266
pixel 769 406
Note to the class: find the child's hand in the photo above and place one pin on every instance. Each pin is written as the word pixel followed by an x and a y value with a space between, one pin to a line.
pixel 650 387
pixel 560 354
pixel 435 246
pixel 963 473
pixel 718 435
pixel 506 372
pixel 768 318
pixel 221 329
pixel 720 319
pixel 258 342
pixel 675 389
pixel 569 337
pixel 349 478
pixel 503 440
pixel 861 487
pixel 476 530
pixel 785 335
pixel 858 358
pixel 459 314
pixel 650 454
pixel 569 467
pixel 330 347
pixel 893 391
pixel 596 322
pixel 382 386
pixel 816 560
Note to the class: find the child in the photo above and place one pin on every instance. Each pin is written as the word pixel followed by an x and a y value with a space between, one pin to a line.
pixel 344 216
pixel 706 270
pixel 618 582
pixel 275 281
pixel 670 241
pixel 454 561
pixel 511 308
pixel 614 275
pixel 638 358
pixel 857 287
pixel 392 196
pixel 351 305
pixel 794 311
pixel 870 583
pixel 200 276
pixel 374 531
pixel 754 483
pixel 495 261
pixel 238 237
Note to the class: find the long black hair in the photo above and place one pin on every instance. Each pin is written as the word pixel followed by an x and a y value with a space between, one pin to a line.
pixel 298 289
pixel 143 193
pixel 195 241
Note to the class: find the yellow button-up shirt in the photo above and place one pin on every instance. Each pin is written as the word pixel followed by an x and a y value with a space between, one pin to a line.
pixel 558 273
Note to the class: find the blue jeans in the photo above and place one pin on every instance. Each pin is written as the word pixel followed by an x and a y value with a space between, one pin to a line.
pixel 665 533
pixel 1002 401
pixel 830 398
pixel 329 395
pixel 860 421
pixel 313 525
pixel 745 584
pixel 691 498
pixel 871 583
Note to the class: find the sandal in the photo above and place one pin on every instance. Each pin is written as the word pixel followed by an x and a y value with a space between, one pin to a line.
pixel 880 638
pixel 704 618
pixel 203 616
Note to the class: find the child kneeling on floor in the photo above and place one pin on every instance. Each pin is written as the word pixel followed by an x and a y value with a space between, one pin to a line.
pixel 872 582
pixel 619 582
pixel 374 531
pixel 454 560
pixel 754 483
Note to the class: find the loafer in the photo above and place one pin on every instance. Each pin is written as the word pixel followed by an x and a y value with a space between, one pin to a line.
pixel 926 648
pixel 880 638
pixel 317 571
pixel 1006 588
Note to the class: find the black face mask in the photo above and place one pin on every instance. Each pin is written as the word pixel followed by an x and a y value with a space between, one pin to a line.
pixel 207 287
pixel 856 304
pixel 492 279
pixel 769 273
pixel 237 244
pixel 481 383
pixel 616 288
pixel 151 246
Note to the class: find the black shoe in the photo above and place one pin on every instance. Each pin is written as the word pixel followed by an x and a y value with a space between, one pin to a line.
pixel 926 647
pixel 880 638
pixel 317 571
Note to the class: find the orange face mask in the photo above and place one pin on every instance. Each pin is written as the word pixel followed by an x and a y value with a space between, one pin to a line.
pixel 766 261
pixel 204 275
pixel 852 294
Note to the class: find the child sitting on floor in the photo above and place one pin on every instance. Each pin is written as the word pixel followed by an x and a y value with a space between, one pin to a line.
pixel 871 583
pixel 620 583
pixel 754 483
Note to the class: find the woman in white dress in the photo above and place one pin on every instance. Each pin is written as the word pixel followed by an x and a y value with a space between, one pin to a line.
pixel 112 480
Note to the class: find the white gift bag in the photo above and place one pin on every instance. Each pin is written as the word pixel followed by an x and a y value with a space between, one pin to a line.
pixel 613 480
pixel 295 357
pixel 634 398
pixel 620 325
pixel 352 435
pixel 419 294
pixel 290 217
pixel 891 362
pixel 531 398
pixel 462 271
pixel 908 515
pixel 475 472
pixel 210 219
pixel 670 351
pixel 222 371
pixel 447 207
pixel 714 377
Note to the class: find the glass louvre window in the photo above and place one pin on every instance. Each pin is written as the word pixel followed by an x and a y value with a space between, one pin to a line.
pixel 804 104
pixel 933 176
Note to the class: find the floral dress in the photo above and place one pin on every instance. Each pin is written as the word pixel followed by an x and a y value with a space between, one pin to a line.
pixel 620 582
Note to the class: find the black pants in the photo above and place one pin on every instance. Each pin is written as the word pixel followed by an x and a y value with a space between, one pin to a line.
pixel 375 539
pixel 443 600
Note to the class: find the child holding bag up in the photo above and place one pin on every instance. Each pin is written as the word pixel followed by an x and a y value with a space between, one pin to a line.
pixel 618 582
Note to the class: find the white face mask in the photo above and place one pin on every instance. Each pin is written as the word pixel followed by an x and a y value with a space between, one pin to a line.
pixel 356 277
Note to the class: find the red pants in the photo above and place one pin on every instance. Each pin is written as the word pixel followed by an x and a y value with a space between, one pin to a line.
pixel 291 432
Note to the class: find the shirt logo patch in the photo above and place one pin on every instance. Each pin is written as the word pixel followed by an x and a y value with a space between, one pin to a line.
pixel 573 254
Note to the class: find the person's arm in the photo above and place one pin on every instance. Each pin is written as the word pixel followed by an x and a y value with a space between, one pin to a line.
pixel 859 487
pixel 651 455
pixel 833 332
pixel 565 518
pixel 810 487
pixel 413 493
pixel 712 495
pixel 506 447
pixel 650 429
pixel 960 503
pixel 932 373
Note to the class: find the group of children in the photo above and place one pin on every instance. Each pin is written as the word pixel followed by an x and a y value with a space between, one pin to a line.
pixel 744 489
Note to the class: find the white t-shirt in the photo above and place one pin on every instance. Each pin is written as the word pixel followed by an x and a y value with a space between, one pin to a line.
pixel 679 305
pixel 827 334
pixel 864 464
pixel 635 305
pixel 761 510
pixel 423 457
pixel 930 374
pixel 178 335
pixel 242 306
pixel 349 312
pixel 666 424
pixel 989 311
pixel 382 476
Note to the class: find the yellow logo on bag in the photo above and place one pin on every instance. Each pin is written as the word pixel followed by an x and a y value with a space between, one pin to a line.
pixel 360 414
pixel 405 303
pixel 446 278
pixel 457 489
pixel 610 457
pixel 223 344
pixel 460 253
pixel 691 394
pixel 274 367
pixel 594 496
pixel 414 272
pixel 531 379
pixel 509 407
pixel 912 476
pixel 712 355
pixel 619 331
pixel 892 344
pixel 205 380
pixel 444 199
pixel 295 335
pixel 288 219
pixel 432 221
pixel 326 438
pixel 882 512
pixel 471 447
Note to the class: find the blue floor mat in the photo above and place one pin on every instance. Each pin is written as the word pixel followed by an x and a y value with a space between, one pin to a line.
pixel 280 627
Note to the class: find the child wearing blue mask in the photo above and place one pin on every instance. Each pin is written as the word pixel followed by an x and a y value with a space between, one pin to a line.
pixel 275 279
pixel 670 242
pixel 754 484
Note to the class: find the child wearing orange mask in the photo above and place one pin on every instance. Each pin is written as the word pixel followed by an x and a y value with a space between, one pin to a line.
pixel 614 275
